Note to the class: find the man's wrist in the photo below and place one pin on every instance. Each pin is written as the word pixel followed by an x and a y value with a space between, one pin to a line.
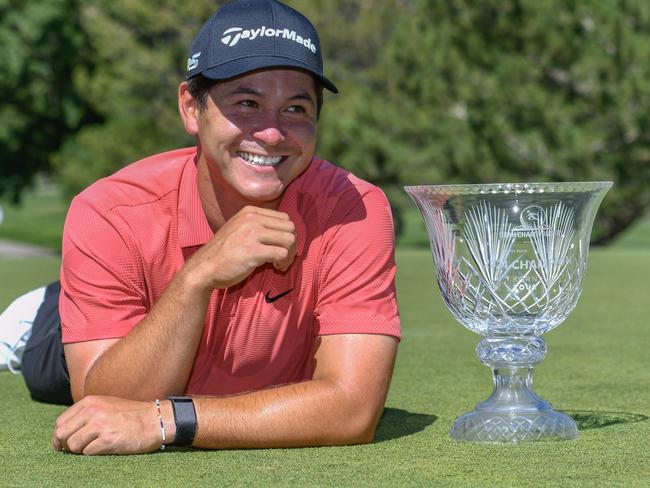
pixel 190 281
pixel 167 414
pixel 184 420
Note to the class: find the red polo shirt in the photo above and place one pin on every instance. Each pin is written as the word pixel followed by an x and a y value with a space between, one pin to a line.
pixel 127 235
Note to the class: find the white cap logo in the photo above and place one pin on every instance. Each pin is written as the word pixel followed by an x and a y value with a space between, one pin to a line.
pixel 193 62
pixel 227 37
pixel 232 36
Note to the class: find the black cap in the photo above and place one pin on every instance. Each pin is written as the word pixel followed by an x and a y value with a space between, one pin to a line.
pixel 247 35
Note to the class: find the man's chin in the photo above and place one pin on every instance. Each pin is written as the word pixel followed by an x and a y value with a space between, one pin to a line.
pixel 266 198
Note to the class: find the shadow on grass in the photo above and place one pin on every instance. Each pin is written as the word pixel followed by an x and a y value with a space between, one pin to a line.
pixel 597 420
pixel 396 423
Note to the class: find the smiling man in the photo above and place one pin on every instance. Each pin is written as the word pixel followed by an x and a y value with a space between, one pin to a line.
pixel 239 293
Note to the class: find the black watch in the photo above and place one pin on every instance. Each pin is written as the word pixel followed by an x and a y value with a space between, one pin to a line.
pixel 185 420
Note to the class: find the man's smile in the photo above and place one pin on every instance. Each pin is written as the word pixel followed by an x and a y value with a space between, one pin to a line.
pixel 259 160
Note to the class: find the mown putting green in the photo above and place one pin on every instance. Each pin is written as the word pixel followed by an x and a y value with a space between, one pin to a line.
pixel 596 370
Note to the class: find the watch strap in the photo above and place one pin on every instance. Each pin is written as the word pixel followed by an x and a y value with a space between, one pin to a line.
pixel 185 420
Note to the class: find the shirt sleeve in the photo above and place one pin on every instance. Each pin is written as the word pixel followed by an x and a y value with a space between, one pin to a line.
pixel 101 276
pixel 356 279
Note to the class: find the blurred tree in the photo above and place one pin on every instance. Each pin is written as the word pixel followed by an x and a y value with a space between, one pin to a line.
pixel 141 51
pixel 431 91
pixel 503 90
pixel 41 43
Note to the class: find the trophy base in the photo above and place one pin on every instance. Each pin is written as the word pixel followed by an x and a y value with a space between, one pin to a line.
pixel 513 427
pixel 513 412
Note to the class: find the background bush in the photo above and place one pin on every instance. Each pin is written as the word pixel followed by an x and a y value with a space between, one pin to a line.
pixel 431 91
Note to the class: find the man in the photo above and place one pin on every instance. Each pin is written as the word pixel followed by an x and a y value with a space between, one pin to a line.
pixel 245 274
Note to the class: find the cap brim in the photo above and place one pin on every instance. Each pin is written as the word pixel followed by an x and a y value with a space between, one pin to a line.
pixel 238 67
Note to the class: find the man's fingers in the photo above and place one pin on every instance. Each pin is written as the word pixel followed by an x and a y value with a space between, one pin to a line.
pixel 280 224
pixel 278 238
pixel 270 218
pixel 250 239
pixel 283 264
pixel 278 235
pixel 264 211
pixel 70 413
pixel 74 437
pixel 73 429
pixel 66 425
pixel 80 440
pixel 56 444
pixel 282 248
pixel 264 218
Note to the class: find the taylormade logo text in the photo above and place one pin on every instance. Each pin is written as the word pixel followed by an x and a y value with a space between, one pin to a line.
pixel 232 36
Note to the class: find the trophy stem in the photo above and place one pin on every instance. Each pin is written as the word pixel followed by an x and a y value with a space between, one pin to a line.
pixel 513 392
pixel 513 412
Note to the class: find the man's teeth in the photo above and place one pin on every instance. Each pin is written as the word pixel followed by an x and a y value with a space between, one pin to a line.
pixel 259 160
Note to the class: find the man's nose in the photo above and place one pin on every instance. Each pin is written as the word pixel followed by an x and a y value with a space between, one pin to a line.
pixel 269 130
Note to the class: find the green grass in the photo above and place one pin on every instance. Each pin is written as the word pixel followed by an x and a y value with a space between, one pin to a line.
pixel 596 370
pixel 37 220
pixel 636 237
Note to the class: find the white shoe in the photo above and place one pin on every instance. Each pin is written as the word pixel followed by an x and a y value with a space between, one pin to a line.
pixel 16 327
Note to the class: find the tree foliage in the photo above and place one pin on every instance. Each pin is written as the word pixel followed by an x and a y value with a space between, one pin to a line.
pixel 140 51
pixel 431 91
pixel 504 90
pixel 41 42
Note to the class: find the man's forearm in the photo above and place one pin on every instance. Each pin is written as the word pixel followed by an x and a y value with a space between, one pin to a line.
pixel 155 359
pixel 341 405
pixel 312 413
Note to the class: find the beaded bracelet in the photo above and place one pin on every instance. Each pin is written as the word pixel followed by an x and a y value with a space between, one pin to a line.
pixel 162 426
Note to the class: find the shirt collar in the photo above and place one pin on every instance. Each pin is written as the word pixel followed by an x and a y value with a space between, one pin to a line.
pixel 290 205
pixel 193 226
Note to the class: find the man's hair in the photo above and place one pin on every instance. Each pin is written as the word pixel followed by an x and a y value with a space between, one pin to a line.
pixel 199 87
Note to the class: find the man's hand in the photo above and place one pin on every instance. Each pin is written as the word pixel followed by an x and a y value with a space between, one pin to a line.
pixel 108 425
pixel 251 238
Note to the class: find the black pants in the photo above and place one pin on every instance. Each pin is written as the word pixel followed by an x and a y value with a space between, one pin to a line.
pixel 43 364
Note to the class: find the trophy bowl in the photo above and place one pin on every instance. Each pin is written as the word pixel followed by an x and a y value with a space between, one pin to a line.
pixel 510 260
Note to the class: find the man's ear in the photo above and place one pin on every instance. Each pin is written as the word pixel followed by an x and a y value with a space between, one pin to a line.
pixel 188 109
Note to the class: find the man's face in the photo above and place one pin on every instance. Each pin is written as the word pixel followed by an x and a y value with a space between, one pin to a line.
pixel 257 134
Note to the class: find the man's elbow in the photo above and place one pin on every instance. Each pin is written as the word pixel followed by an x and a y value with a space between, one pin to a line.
pixel 364 435
pixel 360 426
pixel 359 413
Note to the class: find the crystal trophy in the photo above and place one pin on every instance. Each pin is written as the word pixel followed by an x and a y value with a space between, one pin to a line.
pixel 510 260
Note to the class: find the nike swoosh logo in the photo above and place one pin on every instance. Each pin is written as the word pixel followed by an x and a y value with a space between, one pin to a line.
pixel 269 299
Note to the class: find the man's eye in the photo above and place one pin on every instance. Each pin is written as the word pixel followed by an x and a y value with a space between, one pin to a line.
pixel 248 103
pixel 296 109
